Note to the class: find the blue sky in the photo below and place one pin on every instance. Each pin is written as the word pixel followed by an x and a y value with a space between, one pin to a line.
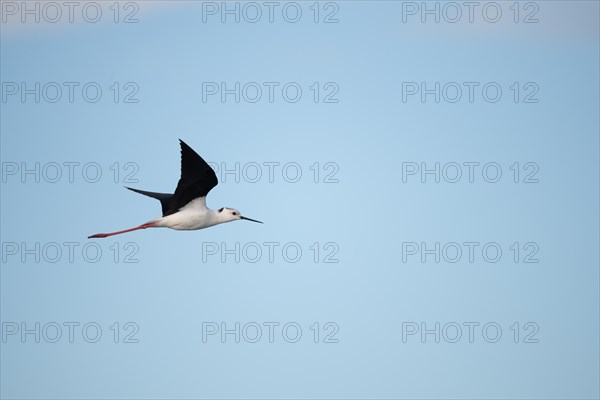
pixel 342 233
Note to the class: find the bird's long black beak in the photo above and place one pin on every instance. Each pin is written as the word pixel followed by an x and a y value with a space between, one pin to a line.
pixel 250 219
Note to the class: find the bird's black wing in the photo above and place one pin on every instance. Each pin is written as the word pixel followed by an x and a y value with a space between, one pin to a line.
pixel 164 198
pixel 197 179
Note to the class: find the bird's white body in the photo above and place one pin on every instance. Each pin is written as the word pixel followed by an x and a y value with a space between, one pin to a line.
pixel 195 215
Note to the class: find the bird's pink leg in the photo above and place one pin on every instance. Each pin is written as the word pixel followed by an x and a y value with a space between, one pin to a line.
pixel 103 235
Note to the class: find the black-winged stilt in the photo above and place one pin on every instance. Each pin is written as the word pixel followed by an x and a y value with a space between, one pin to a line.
pixel 186 208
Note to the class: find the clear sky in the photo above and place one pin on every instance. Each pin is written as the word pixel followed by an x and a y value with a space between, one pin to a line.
pixel 429 191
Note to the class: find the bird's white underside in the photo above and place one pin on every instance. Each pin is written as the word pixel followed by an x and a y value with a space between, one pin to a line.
pixel 192 216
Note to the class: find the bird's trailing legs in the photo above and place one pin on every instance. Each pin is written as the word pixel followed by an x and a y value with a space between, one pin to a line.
pixel 103 235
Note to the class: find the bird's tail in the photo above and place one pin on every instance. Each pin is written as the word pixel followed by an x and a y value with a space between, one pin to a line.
pixel 164 198
pixel 143 226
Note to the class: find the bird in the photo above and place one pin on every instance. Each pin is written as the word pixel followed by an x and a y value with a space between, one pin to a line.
pixel 186 208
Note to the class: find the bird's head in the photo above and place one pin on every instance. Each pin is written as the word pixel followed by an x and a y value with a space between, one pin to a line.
pixel 230 214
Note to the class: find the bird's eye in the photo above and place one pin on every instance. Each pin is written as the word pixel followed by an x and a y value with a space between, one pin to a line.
pixel 234 213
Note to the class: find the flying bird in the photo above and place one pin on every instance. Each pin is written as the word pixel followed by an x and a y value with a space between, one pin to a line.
pixel 186 208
